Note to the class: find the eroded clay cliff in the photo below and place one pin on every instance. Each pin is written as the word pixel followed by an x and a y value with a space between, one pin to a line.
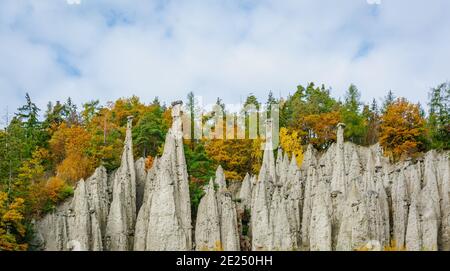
pixel 345 198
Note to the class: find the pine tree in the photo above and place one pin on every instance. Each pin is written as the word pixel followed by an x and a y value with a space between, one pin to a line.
pixel 150 132
pixel 90 109
pixel 372 119
pixel 439 116
pixel 70 113
pixel 28 118
pixel 388 100
pixel 352 117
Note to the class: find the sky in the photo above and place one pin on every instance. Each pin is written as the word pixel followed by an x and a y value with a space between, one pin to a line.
pixel 107 49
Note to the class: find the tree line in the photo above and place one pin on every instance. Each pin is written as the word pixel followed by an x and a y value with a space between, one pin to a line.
pixel 44 154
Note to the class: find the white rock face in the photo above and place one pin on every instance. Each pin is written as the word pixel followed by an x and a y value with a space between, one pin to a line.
pixel 141 178
pixel 353 232
pixel 77 224
pixel 320 223
pixel 142 221
pixel 122 213
pixel 207 228
pixel 164 221
pixel 245 193
pixel 345 198
pixel 217 223
pixel 349 197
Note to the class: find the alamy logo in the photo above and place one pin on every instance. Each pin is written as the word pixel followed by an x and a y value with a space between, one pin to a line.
pixel 250 122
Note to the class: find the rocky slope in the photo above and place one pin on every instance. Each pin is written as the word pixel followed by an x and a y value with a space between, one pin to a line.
pixel 346 198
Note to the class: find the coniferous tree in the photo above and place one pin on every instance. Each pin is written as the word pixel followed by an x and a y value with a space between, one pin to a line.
pixel 388 100
pixel 439 116
pixel 352 117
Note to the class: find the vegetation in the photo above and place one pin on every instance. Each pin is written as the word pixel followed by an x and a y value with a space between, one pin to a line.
pixel 44 154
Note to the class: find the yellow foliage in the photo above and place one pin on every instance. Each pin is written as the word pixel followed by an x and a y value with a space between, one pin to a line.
pixel 69 146
pixel 33 169
pixel 37 198
pixel 53 187
pixel 394 247
pixel 237 157
pixel 11 223
pixel 291 144
pixel 75 167
pixel 218 246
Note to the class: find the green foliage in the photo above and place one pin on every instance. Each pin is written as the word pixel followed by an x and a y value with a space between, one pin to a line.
pixel 252 100
pixel 150 132
pixel 200 169
pixel 90 109
pixel 355 129
pixel 372 121
pixel 66 192
pixel 49 207
pixel 196 193
pixel 199 164
pixel 439 116
pixel 53 115
pixel 388 100
pixel 32 151
pixel 246 222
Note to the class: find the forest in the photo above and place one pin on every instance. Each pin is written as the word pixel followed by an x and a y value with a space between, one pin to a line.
pixel 45 152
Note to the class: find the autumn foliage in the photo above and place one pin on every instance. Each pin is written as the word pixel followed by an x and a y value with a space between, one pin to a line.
pixel 69 147
pixel 402 130
pixel 12 227
pixel 290 143
pixel 43 156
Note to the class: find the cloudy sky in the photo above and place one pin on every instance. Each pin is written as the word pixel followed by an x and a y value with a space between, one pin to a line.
pixel 108 49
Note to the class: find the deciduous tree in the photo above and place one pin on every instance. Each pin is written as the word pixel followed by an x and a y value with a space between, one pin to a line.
pixel 402 131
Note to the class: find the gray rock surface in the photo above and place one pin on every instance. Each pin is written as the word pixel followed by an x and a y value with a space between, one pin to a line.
pixel 141 178
pixel 122 213
pixel 345 198
pixel 164 220
pixel 207 228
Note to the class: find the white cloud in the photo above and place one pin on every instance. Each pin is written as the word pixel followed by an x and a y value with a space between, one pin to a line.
pixel 110 49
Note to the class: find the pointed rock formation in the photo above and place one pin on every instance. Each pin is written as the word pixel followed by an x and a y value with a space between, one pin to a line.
pixel 345 198
pixel 353 232
pixel 245 194
pixel 413 231
pixel 217 223
pixel 141 177
pixel 122 214
pixel 165 216
pixel 283 236
pixel 320 238
pixel 74 224
pixel 142 221
pixel 207 228
pixel 338 182
pixel 260 221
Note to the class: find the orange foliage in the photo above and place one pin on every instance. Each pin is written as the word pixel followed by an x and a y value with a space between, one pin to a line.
pixel 320 129
pixel 402 129
pixel 69 147
pixel 149 162
pixel 53 188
